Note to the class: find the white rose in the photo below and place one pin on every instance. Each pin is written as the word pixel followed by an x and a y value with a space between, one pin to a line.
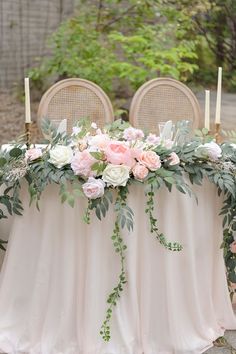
pixel 94 125
pixel 116 175
pixel 213 150
pixel 93 188
pixel 60 155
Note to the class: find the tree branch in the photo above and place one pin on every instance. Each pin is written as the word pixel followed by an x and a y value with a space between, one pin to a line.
pixel 118 18
pixel 99 13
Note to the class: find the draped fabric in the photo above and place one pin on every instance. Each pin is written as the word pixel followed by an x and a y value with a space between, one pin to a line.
pixel 58 272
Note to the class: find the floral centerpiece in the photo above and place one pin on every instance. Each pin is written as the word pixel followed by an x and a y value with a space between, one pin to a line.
pixel 93 163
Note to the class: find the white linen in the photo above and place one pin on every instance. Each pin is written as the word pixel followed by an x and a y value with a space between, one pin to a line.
pixel 58 272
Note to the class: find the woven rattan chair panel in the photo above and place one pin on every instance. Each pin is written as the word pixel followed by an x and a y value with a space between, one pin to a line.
pixel 66 100
pixel 163 102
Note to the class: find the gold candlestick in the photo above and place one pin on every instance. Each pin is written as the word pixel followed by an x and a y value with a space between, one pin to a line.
pixel 27 133
pixel 217 133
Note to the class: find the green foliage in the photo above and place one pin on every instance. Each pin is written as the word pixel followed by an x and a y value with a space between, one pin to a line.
pixel 119 45
pixel 120 247
pixel 214 24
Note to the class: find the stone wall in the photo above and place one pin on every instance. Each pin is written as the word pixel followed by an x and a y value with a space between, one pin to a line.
pixel 24 29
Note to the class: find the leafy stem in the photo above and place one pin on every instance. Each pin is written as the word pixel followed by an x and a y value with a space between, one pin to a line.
pixel 120 248
pixel 172 246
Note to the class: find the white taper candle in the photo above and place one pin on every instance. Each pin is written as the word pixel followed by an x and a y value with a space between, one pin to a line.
pixel 218 96
pixel 27 101
pixel 207 109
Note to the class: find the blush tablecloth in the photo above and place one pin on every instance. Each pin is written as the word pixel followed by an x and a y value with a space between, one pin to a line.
pixel 58 271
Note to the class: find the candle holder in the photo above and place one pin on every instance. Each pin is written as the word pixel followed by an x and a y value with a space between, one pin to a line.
pixel 27 134
pixel 217 133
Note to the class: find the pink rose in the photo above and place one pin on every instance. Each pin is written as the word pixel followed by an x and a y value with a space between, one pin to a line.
pixel 174 159
pixel 233 247
pixel 133 134
pixel 140 171
pixel 118 153
pixel 82 162
pixel 93 188
pixel 33 154
pixel 150 159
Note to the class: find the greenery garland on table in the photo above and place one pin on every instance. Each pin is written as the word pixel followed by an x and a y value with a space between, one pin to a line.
pixel 93 162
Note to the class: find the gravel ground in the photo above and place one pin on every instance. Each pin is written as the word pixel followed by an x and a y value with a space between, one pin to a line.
pixel 12 117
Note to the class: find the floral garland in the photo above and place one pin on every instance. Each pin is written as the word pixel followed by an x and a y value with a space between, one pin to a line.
pixel 93 162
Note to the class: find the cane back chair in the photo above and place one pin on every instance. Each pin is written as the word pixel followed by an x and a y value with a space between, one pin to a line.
pixel 163 99
pixel 73 99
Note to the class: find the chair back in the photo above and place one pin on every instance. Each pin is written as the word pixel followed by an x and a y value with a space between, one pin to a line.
pixel 73 99
pixel 163 99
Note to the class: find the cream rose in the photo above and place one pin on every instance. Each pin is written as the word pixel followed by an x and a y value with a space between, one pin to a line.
pixel 116 175
pixel 93 188
pixel 33 154
pixel 174 159
pixel 60 155
pixel 140 171
pixel 213 150
pixel 99 141
pixel 150 159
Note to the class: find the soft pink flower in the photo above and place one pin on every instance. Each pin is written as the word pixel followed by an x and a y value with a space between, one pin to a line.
pixel 174 159
pixel 117 152
pixel 99 141
pixel 233 247
pixel 82 162
pixel 140 171
pixel 93 188
pixel 153 139
pixel 133 134
pixel 168 143
pixel 150 159
pixel 33 154
pixel 233 286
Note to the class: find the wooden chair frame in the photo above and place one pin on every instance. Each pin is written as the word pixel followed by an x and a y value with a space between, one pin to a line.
pixel 158 82
pixel 67 83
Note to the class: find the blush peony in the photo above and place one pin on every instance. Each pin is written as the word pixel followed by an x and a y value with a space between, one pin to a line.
pixel 82 162
pixel 117 152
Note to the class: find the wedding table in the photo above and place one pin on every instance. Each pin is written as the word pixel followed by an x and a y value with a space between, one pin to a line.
pixel 58 272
